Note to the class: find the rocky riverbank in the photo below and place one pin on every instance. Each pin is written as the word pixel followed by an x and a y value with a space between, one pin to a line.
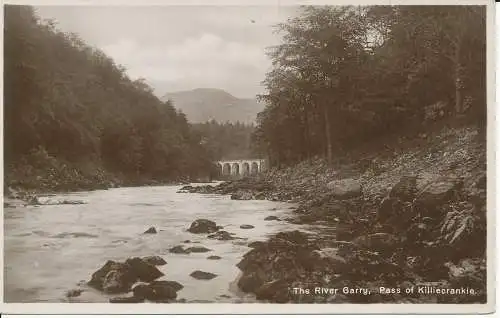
pixel 410 225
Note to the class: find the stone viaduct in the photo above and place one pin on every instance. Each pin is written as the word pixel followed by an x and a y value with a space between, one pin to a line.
pixel 241 168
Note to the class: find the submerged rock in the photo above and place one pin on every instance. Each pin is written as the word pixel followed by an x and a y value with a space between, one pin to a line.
pixel 246 226
pixel 151 230
pixel 73 293
pixel 203 226
pixel 197 249
pixel 222 236
pixel 271 218
pixel 202 275
pixel 214 257
pixel 178 249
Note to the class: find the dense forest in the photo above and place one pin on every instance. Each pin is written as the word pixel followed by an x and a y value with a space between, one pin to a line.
pixel 227 141
pixel 344 76
pixel 73 119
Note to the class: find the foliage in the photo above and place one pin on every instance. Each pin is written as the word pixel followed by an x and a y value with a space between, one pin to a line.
pixel 347 75
pixel 227 141
pixel 72 103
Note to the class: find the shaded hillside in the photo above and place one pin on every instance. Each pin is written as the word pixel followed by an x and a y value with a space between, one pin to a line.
pixel 227 141
pixel 74 119
pixel 206 104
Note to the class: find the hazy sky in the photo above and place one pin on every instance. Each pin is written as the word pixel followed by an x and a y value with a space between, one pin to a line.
pixel 181 47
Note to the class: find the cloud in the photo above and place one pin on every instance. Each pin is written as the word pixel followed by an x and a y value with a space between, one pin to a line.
pixel 181 47
pixel 205 60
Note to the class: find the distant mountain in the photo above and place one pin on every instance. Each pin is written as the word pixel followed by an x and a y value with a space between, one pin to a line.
pixel 204 104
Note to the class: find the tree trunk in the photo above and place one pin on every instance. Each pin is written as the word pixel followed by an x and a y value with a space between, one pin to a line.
pixel 306 132
pixel 458 79
pixel 327 133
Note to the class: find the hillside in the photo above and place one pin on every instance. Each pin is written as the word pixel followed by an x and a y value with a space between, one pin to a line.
pixel 204 104
pixel 412 213
pixel 74 119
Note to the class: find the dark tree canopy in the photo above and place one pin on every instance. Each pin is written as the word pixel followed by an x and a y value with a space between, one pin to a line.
pixel 346 75
pixel 70 103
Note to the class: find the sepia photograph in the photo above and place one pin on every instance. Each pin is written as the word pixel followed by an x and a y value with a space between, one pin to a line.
pixel 247 155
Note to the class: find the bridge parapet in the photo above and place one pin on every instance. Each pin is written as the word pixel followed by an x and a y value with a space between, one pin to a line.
pixel 241 168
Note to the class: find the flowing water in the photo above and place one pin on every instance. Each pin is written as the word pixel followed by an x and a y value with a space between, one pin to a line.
pixel 50 249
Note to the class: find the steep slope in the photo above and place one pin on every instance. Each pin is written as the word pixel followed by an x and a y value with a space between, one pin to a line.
pixel 204 104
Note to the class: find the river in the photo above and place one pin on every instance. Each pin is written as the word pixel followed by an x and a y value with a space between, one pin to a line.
pixel 50 249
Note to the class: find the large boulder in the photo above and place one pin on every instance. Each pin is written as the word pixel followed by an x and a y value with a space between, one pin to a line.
pixel 113 277
pixel 143 270
pixel 405 190
pixel 158 291
pixel 345 188
pixel 178 249
pixel 271 218
pixel 203 226
pixel 116 277
pixel 435 195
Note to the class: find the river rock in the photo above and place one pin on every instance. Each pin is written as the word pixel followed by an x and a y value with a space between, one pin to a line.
pixel 151 230
pixel 101 279
pixel 178 249
pixel 116 277
pixel 118 281
pixel 197 249
pixel 214 257
pixel 143 270
pixel 203 226
pixel 435 195
pixel 170 283
pixel 271 218
pixel 154 260
pixel 202 275
pixel 345 188
pixel 73 293
pixel 222 236
pixel 246 226
pixel 156 291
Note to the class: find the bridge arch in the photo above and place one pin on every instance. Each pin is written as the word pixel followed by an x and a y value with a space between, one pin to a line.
pixel 254 168
pixel 245 169
pixel 235 169
pixel 226 169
